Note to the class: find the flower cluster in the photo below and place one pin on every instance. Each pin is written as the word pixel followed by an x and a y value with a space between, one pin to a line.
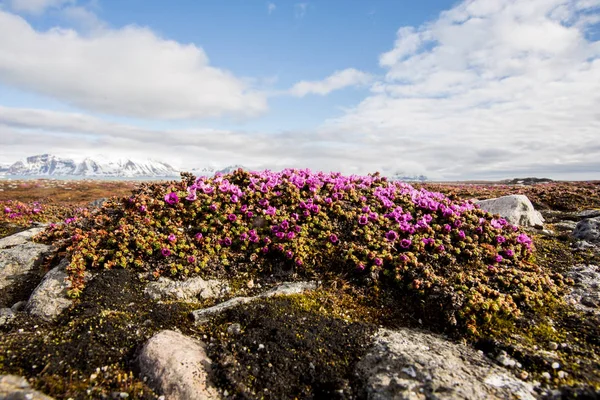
pixel 363 226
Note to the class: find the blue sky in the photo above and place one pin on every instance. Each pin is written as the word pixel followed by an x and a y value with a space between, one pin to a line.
pixel 452 90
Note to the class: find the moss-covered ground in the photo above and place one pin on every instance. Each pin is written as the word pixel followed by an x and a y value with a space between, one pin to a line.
pixel 311 341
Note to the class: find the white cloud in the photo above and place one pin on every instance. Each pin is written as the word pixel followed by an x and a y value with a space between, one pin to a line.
pixel 300 10
pixel 37 7
pixel 271 7
pixel 129 71
pixel 83 18
pixel 491 87
pixel 338 80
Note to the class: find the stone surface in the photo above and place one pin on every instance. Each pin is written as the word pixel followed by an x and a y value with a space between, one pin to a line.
pixel 411 364
pixel 6 314
pixel 19 256
pixel 14 387
pixel 588 230
pixel 588 214
pixel 516 209
pixel 177 367
pixel 564 226
pixel 49 299
pixel 188 290
pixel 284 289
pixel 585 295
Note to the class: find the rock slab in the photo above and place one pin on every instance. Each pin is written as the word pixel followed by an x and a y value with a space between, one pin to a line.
pixel 14 387
pixel 410 364
pixel 284 289
pixel 50 298
pixel 177 367
pixel 588 230
pixel 516 209
pixel 585 294
pixel 19 256
pixel 188 290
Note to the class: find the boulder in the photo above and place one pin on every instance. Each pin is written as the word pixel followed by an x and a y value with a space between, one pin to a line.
pixel 585 294
pixel 516 209
pixel 6 314
pixel 19 256
pixel 411 364
pixel 588 230
pixel 177 367
pixel 188 290
pixel 49 299
pixel 14 387
pixel 284 289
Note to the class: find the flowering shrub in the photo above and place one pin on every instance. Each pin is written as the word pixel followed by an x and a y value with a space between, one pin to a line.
pixel 23 214
pixel 372 230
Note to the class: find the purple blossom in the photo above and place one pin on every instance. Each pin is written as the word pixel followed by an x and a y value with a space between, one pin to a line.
pixel 7 210
pixel 295 216
pixel 363 220
pixel 143 209
pixel 244 237
pixel 227 241
pixel 198 236
pixel 360 267
pixel 333 238
pixel 289 254
pixel 447 228
pixel 249 214
pixel 498 258
pixel 165 252
pixel 172 238
pixel 271 211
pixel 299 262
pixel 428 241
pixel 191 259
pixel 213 207
pixel 509 253
pixel 391 236
pixel 191 193
pixel 500 239
pixel 461 234
pixel 244 208
pixel 290 235
pixel 234 198
pixel 285 225
pixel 378 261
pixel 265 249
pixel 405 243
pixel 172 198
pixel 280 235
pixel 232 217
pixel 457 223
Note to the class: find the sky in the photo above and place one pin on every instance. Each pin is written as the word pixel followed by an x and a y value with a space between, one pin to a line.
pixel 475 89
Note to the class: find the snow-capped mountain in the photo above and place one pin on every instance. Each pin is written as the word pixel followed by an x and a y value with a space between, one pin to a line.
pixel 50 165
pixel 399 176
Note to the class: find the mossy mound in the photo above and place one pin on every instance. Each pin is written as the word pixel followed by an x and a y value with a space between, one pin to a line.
pixel 468 266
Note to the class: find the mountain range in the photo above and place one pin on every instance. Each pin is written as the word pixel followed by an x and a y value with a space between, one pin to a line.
pixel 48 165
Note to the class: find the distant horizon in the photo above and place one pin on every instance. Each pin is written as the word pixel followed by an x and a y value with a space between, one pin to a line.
pixel 453 90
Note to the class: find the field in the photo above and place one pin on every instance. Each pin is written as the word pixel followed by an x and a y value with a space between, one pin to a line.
pixel 513 302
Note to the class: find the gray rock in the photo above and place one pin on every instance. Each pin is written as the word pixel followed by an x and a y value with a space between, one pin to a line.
pixel 188 290
pixel 19 238
pixel 14 387
pixel 516 209
pixel 177 367
pixel 588 230
pixel 410 364
pixel 565 226
pixel 284 289
pixel 97 203
pixel 6 314
pixel 288 288
pixel 49 298
pixel 19 306
pixel 19 256
pixel 588 214
pixel 585 295
pixel 202 316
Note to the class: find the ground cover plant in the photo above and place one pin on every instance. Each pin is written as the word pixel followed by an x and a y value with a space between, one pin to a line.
pixel 469 267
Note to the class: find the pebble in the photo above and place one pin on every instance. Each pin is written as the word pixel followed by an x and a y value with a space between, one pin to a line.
pixel 553 345
pixel 234 329
pixel 562 374
pixel 546 375
pixel 555 365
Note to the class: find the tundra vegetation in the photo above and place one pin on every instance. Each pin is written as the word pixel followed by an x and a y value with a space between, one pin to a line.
pixel 386 254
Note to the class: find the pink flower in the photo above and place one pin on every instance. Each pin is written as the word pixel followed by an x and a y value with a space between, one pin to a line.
pixel 363 220
pixel 172 238
pixel 227 241
pixel 7 210
pixel 165 252
pixel 213 207
pixel 500 239
pixel 405 243
pixel 299 262
pixel 391 236
pixel 198 236
pixel 172 198
pixel 191 259
pixel 498 258
pixel 232 217
pixel 333 238
pixel 360 267
pixel 280 235
pixel 290 235
pixel 143 209
pixel 234 198
pixel 289 254
pixel 378 261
